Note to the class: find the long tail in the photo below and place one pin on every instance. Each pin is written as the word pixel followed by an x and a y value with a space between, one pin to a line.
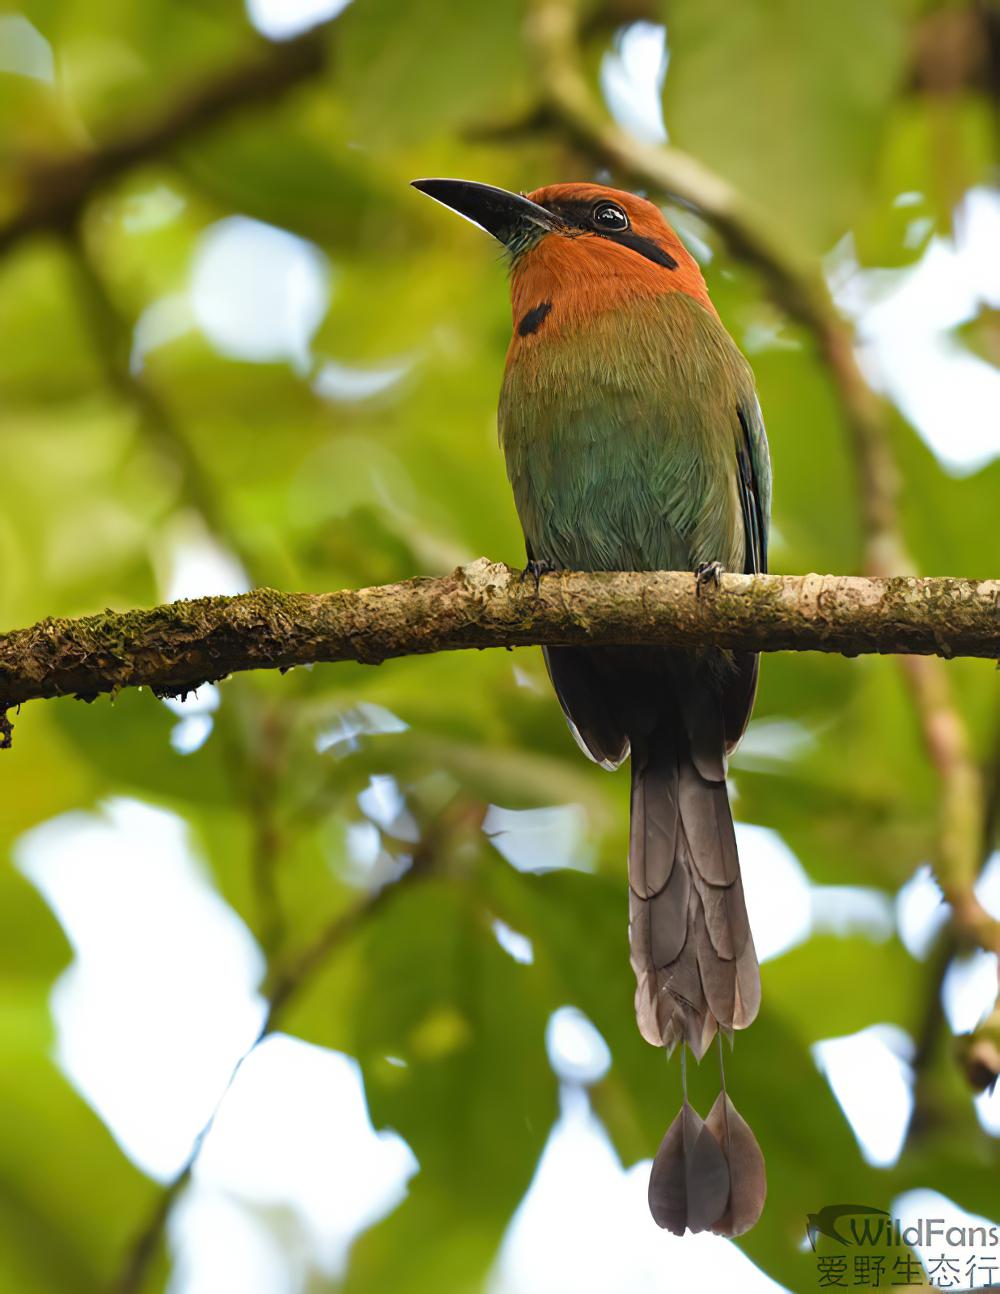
pixel 692 951
pixel 696 969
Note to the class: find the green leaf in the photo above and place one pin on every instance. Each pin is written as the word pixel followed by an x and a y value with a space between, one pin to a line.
pixel 409 69
pixel 785 100
pixel 454 1061
pixel 71 1203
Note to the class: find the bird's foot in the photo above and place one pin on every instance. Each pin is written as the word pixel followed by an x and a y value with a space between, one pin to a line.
pixel 708 573
pixel 536 568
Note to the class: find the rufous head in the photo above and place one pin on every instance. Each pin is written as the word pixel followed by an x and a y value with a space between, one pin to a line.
pixel 592 247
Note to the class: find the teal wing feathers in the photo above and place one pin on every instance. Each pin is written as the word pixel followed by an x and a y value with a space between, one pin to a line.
pixel 754 475
pixel 753 469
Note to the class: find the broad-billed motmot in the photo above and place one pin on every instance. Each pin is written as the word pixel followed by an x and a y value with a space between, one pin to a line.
pixel 634 441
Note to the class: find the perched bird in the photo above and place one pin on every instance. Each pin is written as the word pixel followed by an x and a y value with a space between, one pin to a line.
pixel 634 441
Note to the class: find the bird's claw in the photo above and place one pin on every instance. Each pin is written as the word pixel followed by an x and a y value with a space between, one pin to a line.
pixel 708 573
pixel 536 568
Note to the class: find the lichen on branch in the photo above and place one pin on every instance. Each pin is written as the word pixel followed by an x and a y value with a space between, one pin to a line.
pixel 173 648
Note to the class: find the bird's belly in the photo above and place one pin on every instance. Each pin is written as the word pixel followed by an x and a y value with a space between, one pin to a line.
pixel 599 497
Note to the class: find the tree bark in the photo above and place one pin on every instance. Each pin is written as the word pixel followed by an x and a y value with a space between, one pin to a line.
pixel 173 648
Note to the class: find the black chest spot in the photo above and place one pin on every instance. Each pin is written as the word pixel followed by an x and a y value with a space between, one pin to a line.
pixel 533 320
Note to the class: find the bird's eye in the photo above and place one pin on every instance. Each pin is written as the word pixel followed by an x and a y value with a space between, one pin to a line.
pixel 609 218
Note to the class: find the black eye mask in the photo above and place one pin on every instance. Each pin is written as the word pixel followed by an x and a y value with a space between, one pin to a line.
pixel 580 215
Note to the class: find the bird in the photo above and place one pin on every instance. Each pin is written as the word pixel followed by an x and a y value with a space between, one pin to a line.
pixel 634 441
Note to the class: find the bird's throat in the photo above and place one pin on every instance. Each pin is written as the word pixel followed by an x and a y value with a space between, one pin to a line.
pixel 563 282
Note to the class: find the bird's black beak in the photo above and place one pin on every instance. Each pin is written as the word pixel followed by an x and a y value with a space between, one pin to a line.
pixel 512 219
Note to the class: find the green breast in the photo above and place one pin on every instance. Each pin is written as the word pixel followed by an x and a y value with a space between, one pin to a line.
pixel 620 439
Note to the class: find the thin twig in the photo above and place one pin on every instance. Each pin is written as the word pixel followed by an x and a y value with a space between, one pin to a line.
pixel 112 338
pixel 263 767
pixel 459 815
pixel 57 190
pixel 924 1114
pixel 142 1250
pixel 975 1051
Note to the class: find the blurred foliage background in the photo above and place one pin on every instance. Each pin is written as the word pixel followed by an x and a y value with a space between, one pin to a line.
pixel 237 349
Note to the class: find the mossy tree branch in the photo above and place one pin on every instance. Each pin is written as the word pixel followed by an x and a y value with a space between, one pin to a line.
pixel 173 648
